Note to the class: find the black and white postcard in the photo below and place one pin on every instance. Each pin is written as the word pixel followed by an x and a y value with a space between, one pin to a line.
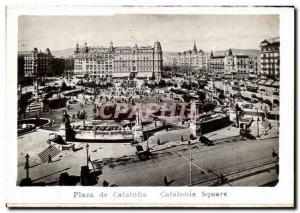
pixel 150 106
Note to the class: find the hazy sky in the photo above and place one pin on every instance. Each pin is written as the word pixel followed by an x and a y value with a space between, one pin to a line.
pixel 175 32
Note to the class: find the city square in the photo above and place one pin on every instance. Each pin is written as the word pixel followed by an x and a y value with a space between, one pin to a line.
pixel 138 114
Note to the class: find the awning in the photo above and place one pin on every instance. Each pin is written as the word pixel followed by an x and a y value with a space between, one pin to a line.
pixel 262 82
pixel 144 74
pixel 120 74
pixel 268 82
pixel 257 80
pixel 275 84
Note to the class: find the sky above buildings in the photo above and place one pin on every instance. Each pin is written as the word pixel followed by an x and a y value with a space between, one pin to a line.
pixel 175 32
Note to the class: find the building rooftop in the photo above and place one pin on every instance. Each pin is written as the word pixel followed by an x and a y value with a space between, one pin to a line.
pixel 270 41
pixel 218 56
pixel 242 56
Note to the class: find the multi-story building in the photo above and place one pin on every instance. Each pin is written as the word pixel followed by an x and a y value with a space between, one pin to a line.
pixel 194 59
pixel 21 63
pixel 241 66
pixel 254 66
pixel 118 62
pixel 270 58
pixel 229 61
pixel 233 66
pixel 216 65
pixel 39 64
pixel 68 66
pixel 45 60
pixel 30 62
pixel 93 61
pixel 58 66
pixel 170 59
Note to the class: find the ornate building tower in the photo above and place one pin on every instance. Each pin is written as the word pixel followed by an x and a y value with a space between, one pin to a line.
pixel 229 64
pixel 195 48
pixel 76 49
pixel 157 68
pixel 86 49
pixel 111 47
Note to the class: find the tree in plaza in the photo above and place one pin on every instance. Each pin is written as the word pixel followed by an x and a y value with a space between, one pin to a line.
pixel 63 86
pixel 185 85
pixel 162 84
pixel 202 96
pixel 186 98
pixel 23 102
pixel 152 77
pixel 221 96
pixel 208 106
pixel 86 77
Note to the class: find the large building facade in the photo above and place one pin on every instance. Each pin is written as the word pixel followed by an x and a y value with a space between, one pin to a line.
pixel 194 59
pixel 170 59
pixel 270 58
pixel 21 63
pixel 40 64
pixel 216 65
pixel 233 66
pixel 118 62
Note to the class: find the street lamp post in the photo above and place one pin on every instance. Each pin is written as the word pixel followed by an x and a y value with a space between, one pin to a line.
pixel 147 141
pixel 27 165
pixel 277 124
pixel 87 155
pixel 190 167
pixel 257 124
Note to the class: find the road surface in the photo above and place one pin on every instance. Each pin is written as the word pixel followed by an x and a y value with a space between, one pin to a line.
pixel 239 158
pixel 244 157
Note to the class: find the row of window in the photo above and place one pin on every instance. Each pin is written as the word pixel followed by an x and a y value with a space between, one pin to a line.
pixel 135 64
pixel 266 55
pixel 128 68
pixel 270 49
pixel 216 66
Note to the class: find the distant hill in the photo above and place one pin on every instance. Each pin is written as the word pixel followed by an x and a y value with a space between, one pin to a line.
pixel 63 53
